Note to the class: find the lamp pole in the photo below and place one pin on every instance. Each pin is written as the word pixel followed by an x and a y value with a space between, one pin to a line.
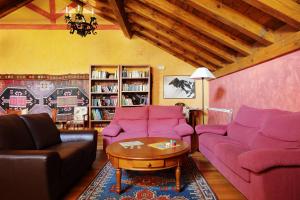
pixel 202 100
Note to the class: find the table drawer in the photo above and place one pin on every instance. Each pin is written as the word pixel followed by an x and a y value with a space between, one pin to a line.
pixel 147 163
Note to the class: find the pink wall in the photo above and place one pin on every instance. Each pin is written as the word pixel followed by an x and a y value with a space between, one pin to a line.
pixel 273 84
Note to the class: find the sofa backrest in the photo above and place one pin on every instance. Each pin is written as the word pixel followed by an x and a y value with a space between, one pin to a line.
pixel 43 130
pixel 162 119
pixel 14 134
pixel 279 131
pixel 248 122
pixel 166 112
pixel 131 113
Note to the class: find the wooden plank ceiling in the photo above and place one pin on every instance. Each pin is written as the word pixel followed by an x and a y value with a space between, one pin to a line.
pixel 222 35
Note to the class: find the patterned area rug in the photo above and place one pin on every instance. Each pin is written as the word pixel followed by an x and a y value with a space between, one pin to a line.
pixel 158 185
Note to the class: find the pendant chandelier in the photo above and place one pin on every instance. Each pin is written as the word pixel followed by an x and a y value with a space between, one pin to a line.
pixel 79 23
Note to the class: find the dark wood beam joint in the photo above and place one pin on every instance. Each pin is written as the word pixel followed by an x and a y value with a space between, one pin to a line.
pixel 119 11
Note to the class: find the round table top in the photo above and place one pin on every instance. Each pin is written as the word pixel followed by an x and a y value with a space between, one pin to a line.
pixel 144 152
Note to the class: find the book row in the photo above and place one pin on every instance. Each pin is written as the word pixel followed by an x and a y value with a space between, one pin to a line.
pixel 104 88
pixel 135 87
pixel 134 74
pixel 105 114
pixel 105 101
pixel 104 74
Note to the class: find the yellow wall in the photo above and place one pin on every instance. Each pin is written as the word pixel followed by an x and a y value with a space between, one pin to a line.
pixel 58 52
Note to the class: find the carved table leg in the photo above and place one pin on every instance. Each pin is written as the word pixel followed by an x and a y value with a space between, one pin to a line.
pixel 118 180
pixel 178 173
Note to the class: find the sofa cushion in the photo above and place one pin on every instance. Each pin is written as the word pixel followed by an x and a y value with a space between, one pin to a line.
pixel 255 117
pixel 249 116
pixel 72 155
pixel 42 129
pixel 283 127
pixel 210 140
pixel 241 133
pixel 216 129
pixel 134 126
pixel 165 112
pixel 124 135
pixel 131 113
pixel 262 142
pixel 14 133
pixel 228 154
pixel 157 126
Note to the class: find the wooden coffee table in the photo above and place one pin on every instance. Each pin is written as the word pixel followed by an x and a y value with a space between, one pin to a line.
pixel 146 158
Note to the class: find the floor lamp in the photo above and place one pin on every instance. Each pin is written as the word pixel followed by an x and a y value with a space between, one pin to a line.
pixel 202 73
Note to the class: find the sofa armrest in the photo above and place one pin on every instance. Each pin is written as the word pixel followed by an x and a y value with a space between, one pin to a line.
pixel 262 159
pixel 183 129
pixel 112 130
pixel 79 135
pixel 29 174
pixel 215 129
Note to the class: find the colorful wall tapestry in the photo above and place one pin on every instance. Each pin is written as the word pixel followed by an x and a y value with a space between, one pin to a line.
pixel 42 93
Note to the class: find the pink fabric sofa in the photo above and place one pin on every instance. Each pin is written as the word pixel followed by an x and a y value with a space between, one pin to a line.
pixel 259 152
pixel 148 121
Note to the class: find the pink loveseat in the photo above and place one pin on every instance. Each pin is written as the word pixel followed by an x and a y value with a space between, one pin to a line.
pixel 259 152
pixel 148 121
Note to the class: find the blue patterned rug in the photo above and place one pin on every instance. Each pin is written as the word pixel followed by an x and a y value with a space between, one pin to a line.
pixel 159 185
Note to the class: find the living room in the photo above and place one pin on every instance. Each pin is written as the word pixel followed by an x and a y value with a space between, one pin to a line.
pixel 149 99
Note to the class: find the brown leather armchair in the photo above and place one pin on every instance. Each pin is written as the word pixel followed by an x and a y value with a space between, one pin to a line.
pixel 39 162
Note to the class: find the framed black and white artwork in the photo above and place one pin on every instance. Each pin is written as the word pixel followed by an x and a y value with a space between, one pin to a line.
pixel 179 87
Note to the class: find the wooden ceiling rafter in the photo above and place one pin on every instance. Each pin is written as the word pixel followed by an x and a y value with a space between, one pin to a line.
pixel 167 49
pixel 119 11
pixel 262 54
pixel 201 25
pixel 170 43
pixel 180 29
pixel 219 11
pixel 284 10
pixel 12 6
pixel 186 44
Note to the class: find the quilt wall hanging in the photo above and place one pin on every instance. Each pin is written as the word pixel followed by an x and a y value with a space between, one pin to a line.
pixel 42 93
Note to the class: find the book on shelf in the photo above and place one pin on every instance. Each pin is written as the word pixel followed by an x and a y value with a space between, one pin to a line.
pixel 134 74
pixel 104 114
pixel 104 74
pixel 134 99
pixel 104 88
pixel 105 101
pixel 135 87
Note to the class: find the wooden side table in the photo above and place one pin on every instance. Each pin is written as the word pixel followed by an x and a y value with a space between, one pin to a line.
pixel 195 116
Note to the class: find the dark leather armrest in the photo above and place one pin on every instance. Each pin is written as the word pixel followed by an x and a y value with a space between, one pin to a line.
pixel 79 135
pixel 29 174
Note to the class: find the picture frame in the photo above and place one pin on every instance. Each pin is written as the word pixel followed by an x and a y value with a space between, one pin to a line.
pixel 178 87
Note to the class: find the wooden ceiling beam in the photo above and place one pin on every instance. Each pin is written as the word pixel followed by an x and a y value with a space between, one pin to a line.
pixel 119 11
pixel 201 25
pixel 219 11
pixel 181 30
pixel 287 11
pixel 166 42
pixel 262 54
pixel 149 24
pixel 12 6
pixel 167 49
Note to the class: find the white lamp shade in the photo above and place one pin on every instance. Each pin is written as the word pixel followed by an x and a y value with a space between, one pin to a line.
pixel 202 72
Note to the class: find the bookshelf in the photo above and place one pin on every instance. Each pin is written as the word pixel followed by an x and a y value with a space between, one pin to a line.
pixel 135 85
pixel 104 94
pixel 117 85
